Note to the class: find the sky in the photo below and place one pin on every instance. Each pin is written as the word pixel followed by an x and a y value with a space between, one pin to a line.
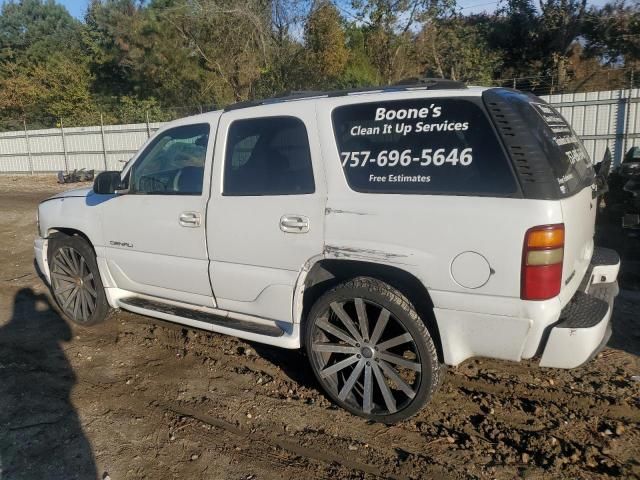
pixel 77 8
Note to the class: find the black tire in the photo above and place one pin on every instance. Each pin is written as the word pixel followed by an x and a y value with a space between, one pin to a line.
pixel 351 363
pixel 76 285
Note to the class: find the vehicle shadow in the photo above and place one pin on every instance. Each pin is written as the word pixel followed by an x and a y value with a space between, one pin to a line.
pixel 293 363
pixel 40 432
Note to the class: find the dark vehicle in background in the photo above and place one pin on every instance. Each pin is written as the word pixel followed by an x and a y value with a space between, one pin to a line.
pixel 623 198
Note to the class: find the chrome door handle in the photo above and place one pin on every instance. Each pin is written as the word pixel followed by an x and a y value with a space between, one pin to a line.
pixel 189 219
pixel 294 224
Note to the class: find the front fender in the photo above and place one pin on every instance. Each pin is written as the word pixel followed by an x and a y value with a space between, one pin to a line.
pixel 72 213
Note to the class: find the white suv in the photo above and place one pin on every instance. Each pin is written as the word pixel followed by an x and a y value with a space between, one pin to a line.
pixel 389 231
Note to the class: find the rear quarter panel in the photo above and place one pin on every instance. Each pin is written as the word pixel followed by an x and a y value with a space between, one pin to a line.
pixel 423 234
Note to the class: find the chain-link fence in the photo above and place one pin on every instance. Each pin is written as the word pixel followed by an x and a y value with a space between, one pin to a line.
pixel 585 80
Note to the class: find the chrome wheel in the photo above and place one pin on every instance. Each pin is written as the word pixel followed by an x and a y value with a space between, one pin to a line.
pixel 74 285
pixel 365 357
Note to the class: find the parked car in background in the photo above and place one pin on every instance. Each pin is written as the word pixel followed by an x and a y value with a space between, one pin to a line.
pixel 623 198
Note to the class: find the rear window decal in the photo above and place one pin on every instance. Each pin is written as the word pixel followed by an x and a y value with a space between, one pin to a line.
pixel 421 146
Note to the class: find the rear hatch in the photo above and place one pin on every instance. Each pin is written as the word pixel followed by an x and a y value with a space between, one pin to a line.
pixel 552 164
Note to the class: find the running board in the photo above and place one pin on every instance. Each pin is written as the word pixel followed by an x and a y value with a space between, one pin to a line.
pixel 223 320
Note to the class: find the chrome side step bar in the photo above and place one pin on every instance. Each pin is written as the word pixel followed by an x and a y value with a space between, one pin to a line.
pixel 223 319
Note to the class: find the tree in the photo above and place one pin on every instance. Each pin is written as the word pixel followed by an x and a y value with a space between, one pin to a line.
pixel 230 40
pixel 612 32
pixel 324 38
pixel 561 24
pixel 456 49
pixel 513 32
pixel 30 30
pixel 389 28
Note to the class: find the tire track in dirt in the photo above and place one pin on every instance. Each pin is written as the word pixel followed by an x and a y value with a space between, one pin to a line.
pixel 292 447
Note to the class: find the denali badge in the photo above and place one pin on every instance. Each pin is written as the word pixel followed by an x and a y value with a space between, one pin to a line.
pixel 120 244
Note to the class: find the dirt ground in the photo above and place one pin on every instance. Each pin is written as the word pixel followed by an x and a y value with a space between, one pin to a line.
pixel 139 398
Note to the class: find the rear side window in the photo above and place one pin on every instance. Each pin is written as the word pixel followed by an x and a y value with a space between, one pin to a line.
pixel 550 159
pixel 567 156
pixel 428 146
pixel 268 156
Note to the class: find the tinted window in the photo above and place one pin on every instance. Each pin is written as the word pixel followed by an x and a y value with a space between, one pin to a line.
pixel 568 158
pixel 173 164
pixel 268 156
pixel 421 146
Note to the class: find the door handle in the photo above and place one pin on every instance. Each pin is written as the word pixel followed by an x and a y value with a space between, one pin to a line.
pixel 189 219
pixel 294 224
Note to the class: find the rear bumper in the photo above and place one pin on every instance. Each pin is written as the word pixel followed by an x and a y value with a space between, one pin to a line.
pixel 584 325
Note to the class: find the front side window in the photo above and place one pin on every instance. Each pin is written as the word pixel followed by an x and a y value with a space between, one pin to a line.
pixel 268 156
pixel 173 164
pixel 426 145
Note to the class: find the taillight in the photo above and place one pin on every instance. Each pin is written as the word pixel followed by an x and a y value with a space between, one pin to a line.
pixel 542 257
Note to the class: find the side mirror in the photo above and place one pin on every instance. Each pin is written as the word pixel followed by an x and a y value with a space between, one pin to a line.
pixel 107 183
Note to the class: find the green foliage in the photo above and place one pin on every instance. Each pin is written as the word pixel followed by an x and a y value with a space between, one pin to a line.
pixel 324 38
pixel 31 30
pixel 613 32
pixel 456 50
pixel 133 59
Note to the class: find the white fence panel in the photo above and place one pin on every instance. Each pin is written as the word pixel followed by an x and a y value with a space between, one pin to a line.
pixel 68 148
pixel 607 119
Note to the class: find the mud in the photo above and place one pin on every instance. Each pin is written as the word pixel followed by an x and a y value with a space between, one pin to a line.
pixel 139 398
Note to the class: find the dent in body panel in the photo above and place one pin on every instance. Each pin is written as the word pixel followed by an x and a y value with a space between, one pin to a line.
pixel 468 334
pixel 329 211
pixel 298 292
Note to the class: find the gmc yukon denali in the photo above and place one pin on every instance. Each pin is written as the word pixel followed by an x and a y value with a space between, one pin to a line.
pixel 389 232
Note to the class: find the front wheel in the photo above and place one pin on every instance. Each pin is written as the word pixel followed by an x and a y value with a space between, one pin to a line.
pixel 371 352
pixel 75 280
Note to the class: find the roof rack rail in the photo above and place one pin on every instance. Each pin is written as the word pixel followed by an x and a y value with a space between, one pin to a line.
pixel 403 85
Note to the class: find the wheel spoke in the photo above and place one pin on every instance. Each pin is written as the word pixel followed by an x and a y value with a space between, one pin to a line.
pixel 338 366
pixel 90 303
pixel 68 261
pixel 70 297
pixel 60 290
pixel 380 325
pixel 348 386
pixel 361 310
pixel 65 278
pixel 334 348
pixel 76 304
pixel 335 331
pixel 83 264
pixel 346 320
pixel 83 304
pixel 399 340
pixel 398 360
pixel 395 378
pixel 389 399
pixel 59 262
pixel 89 287
pixel 75 256
pixel 367 396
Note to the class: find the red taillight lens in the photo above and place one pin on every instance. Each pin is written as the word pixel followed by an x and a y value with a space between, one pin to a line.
pixel 542 257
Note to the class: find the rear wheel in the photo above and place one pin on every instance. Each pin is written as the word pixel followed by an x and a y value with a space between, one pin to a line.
pixel 371 352
pixel 75 280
